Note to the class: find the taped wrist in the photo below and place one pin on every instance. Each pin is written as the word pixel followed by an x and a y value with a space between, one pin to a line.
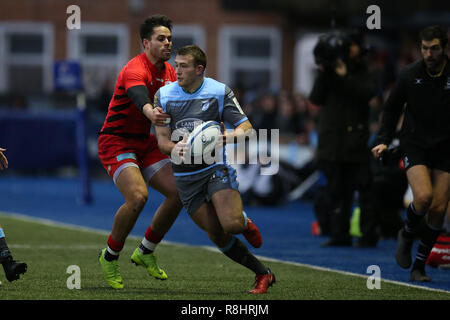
pixel 139 96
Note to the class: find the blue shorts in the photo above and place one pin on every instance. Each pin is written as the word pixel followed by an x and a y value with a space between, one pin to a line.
pixel 198 188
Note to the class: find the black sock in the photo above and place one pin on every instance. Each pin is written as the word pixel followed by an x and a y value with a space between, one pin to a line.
pixel 412 222
pixel 4 250
pixel 110 257
pixel 427 241
pixel 239 253
pixel 144 249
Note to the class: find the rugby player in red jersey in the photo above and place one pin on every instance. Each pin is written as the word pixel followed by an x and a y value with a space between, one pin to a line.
pixel 130 153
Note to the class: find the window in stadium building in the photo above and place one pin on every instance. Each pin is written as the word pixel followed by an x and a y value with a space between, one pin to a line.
pixel 22 43
pixel 251 47
pixel 102 49
pixel 100 45
pixel 304 63
pixel 26 59
pixel 183 35
pixel 250 57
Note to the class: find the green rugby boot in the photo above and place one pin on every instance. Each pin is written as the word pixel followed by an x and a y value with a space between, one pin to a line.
pixel 111 271
pixel 148 261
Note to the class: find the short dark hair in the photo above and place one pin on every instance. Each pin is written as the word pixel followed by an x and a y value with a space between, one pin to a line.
pixel 197 53
pixel 154 21
pixel 434 32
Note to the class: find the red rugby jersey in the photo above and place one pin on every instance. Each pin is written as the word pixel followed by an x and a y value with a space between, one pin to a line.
pixel 124 119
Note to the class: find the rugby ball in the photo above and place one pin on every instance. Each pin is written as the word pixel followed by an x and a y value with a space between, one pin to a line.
pixel 202 140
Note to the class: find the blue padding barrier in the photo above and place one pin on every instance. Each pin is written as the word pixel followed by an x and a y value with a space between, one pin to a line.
pixel 39 140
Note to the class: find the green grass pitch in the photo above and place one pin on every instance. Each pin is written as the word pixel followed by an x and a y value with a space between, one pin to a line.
pixel 195 273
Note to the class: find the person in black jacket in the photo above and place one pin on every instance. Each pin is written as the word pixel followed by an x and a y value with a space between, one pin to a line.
pixel 343 89
pixel 422 93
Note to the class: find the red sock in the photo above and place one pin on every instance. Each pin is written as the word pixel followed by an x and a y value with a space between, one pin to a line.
pixel 114 245
pixel 152 236
pixel 150 241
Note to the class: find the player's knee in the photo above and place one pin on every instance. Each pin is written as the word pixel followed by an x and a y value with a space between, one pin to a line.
pixel 423 200
pixel 138 200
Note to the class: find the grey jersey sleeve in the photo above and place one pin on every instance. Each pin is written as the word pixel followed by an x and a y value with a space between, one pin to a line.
pixel 232 111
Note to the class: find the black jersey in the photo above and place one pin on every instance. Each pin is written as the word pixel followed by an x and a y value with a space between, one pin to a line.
pixel 425 101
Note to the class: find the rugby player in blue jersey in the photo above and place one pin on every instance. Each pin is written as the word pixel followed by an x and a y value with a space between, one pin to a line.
pixel 209 191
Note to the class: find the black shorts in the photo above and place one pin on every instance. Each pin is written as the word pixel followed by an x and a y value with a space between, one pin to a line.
pixel 435 157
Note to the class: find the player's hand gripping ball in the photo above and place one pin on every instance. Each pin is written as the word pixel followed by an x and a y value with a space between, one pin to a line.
pixel 203 139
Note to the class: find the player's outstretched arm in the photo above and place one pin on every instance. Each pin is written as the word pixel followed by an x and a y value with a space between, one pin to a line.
pixel 235 136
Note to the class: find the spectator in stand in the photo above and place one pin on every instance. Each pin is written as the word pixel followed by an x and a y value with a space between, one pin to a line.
pixel 286 118
pixel 265 112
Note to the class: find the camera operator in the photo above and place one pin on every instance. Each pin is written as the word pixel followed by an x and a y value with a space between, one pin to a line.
pixel 343 89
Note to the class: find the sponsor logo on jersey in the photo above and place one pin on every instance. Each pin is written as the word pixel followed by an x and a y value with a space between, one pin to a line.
pixel 188 123
pixel 176 104
pixel 205 105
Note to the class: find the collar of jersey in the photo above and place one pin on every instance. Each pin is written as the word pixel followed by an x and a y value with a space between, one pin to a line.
pixel 196 90
pixel 437 75
pixel 444 72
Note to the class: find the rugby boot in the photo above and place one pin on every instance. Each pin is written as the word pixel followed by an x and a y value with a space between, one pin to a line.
pixel 111 271
pixel 13 269
pixel 418 275
pixel 252 234
pixel 263 282
pixel 148 261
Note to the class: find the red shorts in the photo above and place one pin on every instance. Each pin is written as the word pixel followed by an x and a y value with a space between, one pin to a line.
pixel 117 153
